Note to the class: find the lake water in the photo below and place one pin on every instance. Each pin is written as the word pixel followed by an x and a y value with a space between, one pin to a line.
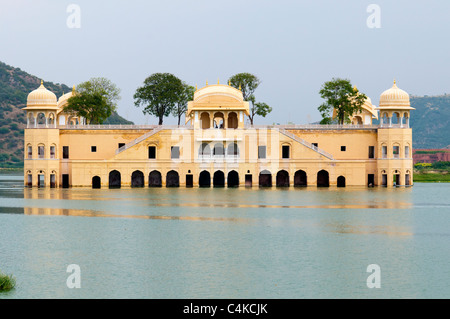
pixel 225 243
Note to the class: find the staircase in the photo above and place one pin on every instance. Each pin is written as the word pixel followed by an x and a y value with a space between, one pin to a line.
pixel 305 143
pixel 138 140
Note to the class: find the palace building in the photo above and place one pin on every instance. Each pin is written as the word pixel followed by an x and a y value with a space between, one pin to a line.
pixel 215 148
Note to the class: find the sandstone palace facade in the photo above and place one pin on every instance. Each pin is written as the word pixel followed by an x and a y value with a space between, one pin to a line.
pixel 216 148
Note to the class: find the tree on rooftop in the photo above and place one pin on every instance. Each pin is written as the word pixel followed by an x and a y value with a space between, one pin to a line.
pixel 248 83
pixel 94 100
pixel 341 97
pixel 185 95
pixel 159 95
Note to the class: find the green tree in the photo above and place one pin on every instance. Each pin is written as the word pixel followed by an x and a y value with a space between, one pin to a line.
pixel 248 83
pixel 94 100
pixel 159 95
pixel 341 97
pixel 104 87
pixel 184 96
pixel 92 106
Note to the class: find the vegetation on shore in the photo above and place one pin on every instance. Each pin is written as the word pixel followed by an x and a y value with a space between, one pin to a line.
pixel 432 172
pixel 7 282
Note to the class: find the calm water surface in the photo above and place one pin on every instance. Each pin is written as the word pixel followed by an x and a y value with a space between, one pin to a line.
pixel 225 243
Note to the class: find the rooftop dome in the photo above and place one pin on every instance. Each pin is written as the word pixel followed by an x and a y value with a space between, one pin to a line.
pixel 63 98
pixel 41 97
pixel 218 90
pixel 394 98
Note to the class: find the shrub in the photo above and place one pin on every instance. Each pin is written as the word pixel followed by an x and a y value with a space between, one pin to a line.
pixel 421 165
pixel 7 282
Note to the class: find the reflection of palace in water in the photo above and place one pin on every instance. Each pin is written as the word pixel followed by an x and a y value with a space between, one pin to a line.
pixel 216 148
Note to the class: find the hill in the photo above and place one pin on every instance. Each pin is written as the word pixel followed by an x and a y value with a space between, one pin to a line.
pixel 430 121
pixel 15 85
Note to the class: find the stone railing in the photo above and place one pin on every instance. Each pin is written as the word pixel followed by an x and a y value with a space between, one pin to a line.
pixel 307 144
pixel 316 126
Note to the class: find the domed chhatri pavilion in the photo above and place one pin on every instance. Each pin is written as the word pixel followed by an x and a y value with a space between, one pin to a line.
pixel 216 148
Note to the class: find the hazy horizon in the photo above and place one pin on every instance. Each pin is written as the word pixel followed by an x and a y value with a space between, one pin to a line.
pixel 292 46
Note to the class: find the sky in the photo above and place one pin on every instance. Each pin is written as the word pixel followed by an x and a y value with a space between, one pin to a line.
pixel 293 47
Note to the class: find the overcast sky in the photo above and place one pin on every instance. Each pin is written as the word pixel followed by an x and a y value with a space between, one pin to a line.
pixel 292 46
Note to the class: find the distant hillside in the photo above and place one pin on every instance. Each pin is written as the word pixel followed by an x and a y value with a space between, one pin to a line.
pixel 15 85
pixel 430 121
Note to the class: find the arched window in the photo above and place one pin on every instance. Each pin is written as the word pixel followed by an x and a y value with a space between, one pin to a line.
pixel 29 151
pixel 205 121
pixel 53 151
pixel 396 151
pixel 232 120
pixel 405 119
pixel 31 120
pixel 218 120
pixel 41 151
pixel 41 119
pixel 204 150
pixel 51 119
pixel 62 120
pixel 385 119
pixel 357 120
pixel 233 149
pixel 395 118
pixel 218 149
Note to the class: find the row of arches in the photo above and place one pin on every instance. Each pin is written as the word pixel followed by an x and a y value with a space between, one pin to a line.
pixel 395 118
pixel 50 120
pixel 218 149
pixel 217 179
pixel 218 120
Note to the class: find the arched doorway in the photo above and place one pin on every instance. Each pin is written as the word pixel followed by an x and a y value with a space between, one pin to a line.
pixel 219 179
pixel 114 179
pixel 204 179
pixel 323 179
pixel 300 179
pixel 172 179
pixel 341 181
pixel 96 182
pixel 154 179
pixel 265 179
pixel 282 179
pixel 137 179
pixel 233 179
